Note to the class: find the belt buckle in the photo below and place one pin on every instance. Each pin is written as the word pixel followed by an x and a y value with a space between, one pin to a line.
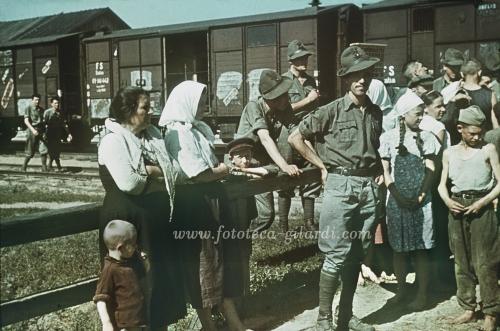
pixel 344 171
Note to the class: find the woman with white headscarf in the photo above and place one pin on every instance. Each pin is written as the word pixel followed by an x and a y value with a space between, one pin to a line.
pixel 407 157
pixel 190 141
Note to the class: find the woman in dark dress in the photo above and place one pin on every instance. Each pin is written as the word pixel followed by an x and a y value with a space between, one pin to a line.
pixel 139 178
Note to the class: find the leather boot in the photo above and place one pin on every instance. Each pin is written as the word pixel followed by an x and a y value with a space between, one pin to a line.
pixel 44 162
pixel 328 284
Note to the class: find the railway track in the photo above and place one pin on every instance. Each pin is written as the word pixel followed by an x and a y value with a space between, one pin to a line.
pixel 35 171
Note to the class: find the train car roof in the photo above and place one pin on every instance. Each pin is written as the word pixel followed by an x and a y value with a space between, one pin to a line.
pixel 199 26
pixel 386 4
pixel 50 28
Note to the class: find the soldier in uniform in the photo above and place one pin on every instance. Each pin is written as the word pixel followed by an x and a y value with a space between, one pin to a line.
pixel 451 61
pixel 55 125
pixel 347 133
pixel 33 118
pixel 303 96
pixel 269 119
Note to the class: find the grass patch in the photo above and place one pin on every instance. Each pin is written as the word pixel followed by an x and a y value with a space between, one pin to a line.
pixel 39 266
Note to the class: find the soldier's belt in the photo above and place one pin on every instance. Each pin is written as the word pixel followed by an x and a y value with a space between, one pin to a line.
pixel 352 172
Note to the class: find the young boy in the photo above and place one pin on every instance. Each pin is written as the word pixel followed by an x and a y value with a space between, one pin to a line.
pixel 119 298
pixel 240 156
pixel 472 167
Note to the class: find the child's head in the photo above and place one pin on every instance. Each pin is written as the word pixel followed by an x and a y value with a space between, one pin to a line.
pixel 240 152
pixel 471 68
pixel 411 108
pixel 434 105
pixel 120 236
pixel 470 125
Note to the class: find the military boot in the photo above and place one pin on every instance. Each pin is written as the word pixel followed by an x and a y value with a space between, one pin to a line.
pixel 328 284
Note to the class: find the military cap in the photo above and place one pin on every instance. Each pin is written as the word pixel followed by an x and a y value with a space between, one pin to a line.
pixel 353 59
pixel 424 80
pixel 472 115
pixel 272 85
pixel 239 144
pixel 453 57
pixel 297 49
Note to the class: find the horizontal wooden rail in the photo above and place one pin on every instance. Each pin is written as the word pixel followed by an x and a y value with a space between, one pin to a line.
pixel 68 221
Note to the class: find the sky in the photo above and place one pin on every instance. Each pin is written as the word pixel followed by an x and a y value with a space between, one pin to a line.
pixel 145 13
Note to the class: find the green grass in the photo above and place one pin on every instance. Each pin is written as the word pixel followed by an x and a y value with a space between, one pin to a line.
pixel 39 266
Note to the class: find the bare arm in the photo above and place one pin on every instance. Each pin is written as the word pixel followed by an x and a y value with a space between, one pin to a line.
pixel 275 154
pixel 212 174
pixel 453 206
pixel 311 97
pixel 104 316
pixel 494 118
pixel 487 199
pixel 430 168
pixel 260 171
pixel 300 144
pixel 441 136
pixel 387 172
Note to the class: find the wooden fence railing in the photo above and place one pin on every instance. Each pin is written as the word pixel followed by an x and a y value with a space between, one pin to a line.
pixel 68 221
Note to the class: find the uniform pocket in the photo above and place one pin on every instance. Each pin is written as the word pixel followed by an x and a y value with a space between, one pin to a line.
pixel 346 131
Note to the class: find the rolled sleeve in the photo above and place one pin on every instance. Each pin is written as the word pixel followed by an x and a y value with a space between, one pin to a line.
pixel 317 123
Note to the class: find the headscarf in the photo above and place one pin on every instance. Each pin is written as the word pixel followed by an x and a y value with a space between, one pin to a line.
pixel 179 113
pixel 407 102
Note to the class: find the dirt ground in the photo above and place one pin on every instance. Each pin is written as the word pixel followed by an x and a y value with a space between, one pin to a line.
pixel 295 308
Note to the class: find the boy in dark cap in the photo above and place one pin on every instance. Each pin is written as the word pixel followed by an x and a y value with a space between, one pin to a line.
pixel 269 119
pixel 347 133
pixel 472 167
pixel 451 61
pixel 241 156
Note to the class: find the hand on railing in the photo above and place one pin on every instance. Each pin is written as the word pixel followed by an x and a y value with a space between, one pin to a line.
pixel 292 170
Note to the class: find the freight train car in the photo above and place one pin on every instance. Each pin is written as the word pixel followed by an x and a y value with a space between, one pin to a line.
pixel 423 29
pixel 42 55
pixel 228 55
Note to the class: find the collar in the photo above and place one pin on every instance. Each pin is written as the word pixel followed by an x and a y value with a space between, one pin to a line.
pixel 348 104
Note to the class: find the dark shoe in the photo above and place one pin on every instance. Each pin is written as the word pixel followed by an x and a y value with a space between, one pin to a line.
pixel 355 324
pixel 325 323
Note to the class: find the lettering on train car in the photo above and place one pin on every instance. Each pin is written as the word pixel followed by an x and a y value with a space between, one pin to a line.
pixel 389 74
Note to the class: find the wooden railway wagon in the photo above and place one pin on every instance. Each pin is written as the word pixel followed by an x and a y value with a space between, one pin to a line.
pixel 42 55
pixel 227 54
pixel 423 29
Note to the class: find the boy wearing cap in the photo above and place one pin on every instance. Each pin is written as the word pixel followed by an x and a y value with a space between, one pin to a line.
pixel 241 155
pixel 451 61
pixel 472 167
pixel 347 133
pixel 269 120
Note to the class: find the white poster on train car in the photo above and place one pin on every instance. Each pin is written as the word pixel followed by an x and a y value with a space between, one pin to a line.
pixel 99 108
pixel 228 86
pixel 145 81
pixel 253 79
